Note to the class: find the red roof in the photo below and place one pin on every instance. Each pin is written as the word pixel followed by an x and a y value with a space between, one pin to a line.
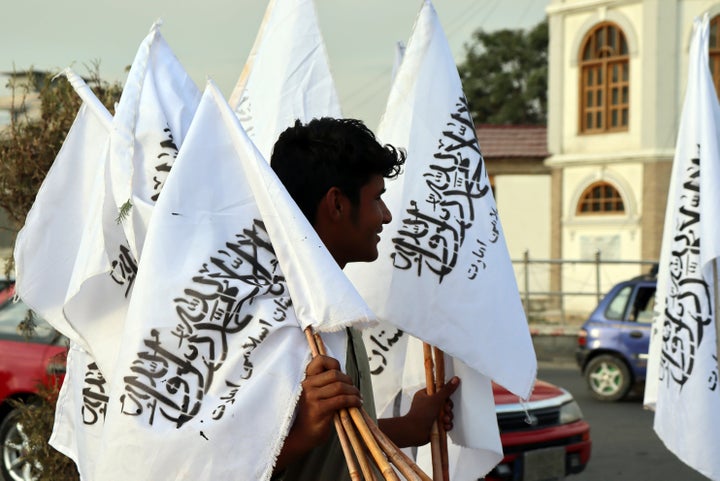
pixel 511 141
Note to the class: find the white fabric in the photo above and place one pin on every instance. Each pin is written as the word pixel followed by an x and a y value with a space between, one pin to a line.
pixel 444 274
pixel 61 239
pixel 49 243
pixel 80 411
pixel 399 54
pixel 157 105
pixel 286 76
pixel 443 259
pixel 475 421
pixel 682 383
pixel 151 120
pixel 212 356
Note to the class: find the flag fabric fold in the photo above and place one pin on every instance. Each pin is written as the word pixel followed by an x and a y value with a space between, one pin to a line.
pixel 141 142
pixel 474 446
pixel 61 236
pixel 50 242
pixel 151 119
pixel 682 380
pixel 213 354
pixel 287 75
pixel 154 113
pixel 444 274
pixel 80 411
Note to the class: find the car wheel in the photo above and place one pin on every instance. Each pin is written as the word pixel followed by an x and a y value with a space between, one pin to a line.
pixel 608 378
pixel 14 445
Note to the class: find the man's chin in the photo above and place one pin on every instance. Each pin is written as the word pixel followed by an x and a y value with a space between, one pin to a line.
pixel 368 258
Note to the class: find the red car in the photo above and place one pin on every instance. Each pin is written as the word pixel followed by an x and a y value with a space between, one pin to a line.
pixel 546 438
pixel 24 362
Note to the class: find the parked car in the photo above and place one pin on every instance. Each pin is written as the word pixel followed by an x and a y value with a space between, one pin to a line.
pixel 613 343
pixel 24 362
pixel 545 438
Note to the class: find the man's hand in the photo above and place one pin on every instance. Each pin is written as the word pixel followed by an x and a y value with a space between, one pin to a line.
pixel 413 429
pixel 325 390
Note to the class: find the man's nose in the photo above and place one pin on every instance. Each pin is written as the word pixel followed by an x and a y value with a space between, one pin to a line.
pixel 387 216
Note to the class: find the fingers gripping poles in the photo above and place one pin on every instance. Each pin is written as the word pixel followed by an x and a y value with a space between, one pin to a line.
pixel 353 421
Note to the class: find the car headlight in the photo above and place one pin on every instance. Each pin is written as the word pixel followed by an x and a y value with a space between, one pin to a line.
pixel 570 412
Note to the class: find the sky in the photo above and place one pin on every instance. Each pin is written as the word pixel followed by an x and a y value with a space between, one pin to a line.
pixel 212 38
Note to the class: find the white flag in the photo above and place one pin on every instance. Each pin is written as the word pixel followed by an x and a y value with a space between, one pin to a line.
pixel 444 274
pixel 154 113
pixel 213 354
pixel 286 76
pixel 67 203
pixel 61 239
pixel 80 411
pixel 151 120
pixel 682 382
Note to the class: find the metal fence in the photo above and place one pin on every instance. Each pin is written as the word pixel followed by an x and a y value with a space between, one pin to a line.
pixel 565 290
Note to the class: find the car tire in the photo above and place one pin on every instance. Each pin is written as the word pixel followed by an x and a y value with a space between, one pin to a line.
pixel 13 443
pixel 608 378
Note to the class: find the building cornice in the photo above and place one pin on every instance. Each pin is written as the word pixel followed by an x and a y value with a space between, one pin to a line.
pixel 570 160
pixel 556 9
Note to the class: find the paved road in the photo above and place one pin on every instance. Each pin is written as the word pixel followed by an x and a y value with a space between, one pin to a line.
pixel 625 447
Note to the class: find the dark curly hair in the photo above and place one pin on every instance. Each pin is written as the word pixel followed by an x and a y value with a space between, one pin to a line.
pixel 310 159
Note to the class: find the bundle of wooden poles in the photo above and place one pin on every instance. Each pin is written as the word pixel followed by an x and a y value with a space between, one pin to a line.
pixel 366 448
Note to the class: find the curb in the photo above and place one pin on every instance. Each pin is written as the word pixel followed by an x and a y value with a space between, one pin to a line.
pixel 553 330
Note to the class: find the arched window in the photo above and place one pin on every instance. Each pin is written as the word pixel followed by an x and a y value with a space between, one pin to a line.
pixel 604 80
pixel 600 198
pixel 715 52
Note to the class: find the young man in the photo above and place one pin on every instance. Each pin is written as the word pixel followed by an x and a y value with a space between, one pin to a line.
pixel 335 171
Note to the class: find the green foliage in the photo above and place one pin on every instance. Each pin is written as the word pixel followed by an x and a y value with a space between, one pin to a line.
pixel 124 212
pixel 37 419
pixel 29 145
pixel 504 76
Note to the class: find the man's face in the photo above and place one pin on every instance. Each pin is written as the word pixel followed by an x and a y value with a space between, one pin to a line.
pixel 363 226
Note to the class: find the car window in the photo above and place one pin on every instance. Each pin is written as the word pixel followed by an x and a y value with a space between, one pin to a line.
pixel 12 313
pixel 643 304
pixel 616 308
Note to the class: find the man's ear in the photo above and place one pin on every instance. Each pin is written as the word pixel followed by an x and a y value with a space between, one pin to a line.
pixel 334 204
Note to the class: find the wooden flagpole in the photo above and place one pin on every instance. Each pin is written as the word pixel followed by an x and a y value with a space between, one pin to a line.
pixel 402 462
pixel 439 356
pixel 434 433
pixel 344 430
pixel 382 449
pixel 360 424
pixel 716 315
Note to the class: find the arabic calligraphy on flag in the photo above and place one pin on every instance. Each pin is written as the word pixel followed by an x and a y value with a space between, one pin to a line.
pixel 688 313
pixel 434 228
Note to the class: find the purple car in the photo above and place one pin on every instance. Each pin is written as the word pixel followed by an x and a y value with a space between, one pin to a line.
pixel 613 343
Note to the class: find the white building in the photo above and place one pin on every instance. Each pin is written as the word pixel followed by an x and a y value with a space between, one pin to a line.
pixel 617 75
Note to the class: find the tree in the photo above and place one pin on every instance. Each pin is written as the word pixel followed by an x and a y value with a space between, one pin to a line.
pixel 504 76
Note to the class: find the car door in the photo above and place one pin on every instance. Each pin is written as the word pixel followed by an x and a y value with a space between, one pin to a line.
pixel 634 334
